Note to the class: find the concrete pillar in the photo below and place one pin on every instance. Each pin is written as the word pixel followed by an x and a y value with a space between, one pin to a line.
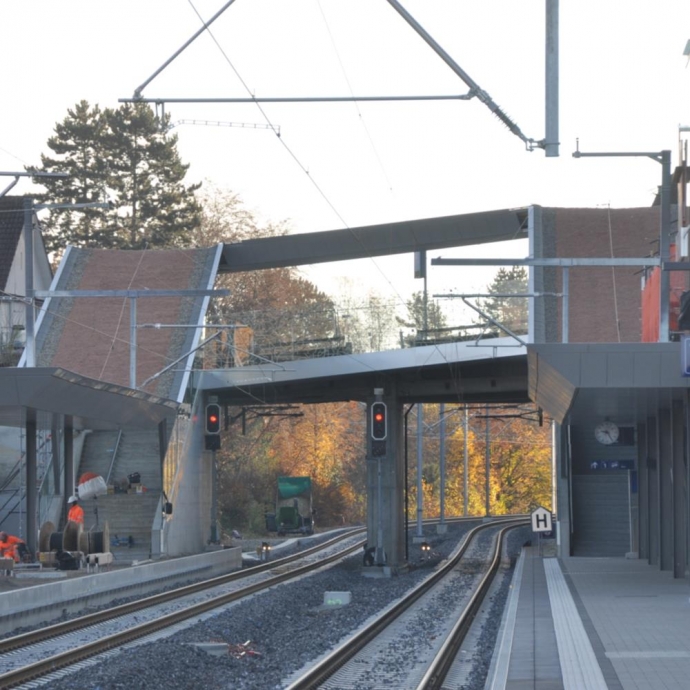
pixel 680 489
pixel 386 487
pixel 55 453
pixel 162 443
pixel 653 490
pixel 665 490
pixel 643 492
pixel 563 490
pixel 31 482
pixel 68 441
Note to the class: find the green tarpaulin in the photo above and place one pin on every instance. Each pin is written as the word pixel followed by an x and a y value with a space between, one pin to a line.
pixel 289 487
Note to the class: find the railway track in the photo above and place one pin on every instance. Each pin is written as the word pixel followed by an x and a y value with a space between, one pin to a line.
pixel 27 643
pixel 25 656
pixel 355 662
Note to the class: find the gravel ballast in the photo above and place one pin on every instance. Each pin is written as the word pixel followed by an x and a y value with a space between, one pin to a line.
pixel 285 628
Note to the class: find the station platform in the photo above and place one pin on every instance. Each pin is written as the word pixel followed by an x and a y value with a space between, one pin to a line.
pixel 38 598
pixel 593 624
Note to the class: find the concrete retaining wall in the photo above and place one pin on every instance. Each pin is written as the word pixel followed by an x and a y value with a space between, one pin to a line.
pixel 45 603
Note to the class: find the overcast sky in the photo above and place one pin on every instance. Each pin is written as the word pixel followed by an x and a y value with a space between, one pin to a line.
pixel 624 87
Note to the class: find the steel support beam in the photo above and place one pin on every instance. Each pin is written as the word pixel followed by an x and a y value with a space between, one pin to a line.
pixel 665 489
pixel 31 482
pixel 680 489
pixel 68 442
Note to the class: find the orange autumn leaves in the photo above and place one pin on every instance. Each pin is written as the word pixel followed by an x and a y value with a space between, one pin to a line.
pixel 327 442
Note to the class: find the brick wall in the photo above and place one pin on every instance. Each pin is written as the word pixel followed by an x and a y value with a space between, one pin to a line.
pixel 598 294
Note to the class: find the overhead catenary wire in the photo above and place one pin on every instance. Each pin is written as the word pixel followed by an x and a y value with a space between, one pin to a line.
pixel 349 86
pixel 290 152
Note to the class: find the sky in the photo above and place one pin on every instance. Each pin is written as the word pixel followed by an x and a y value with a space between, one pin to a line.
pixel 624 86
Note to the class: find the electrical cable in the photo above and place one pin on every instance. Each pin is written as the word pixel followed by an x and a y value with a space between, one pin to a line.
pixel 293 155
pixel 356 105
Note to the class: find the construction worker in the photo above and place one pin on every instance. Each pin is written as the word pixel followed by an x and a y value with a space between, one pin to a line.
pixel 76 512
pixel 12 547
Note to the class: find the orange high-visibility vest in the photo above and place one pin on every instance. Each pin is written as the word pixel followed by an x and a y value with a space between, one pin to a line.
pixel 76 514
pixel 8 548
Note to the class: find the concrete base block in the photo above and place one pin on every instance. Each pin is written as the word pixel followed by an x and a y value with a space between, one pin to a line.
pixel 377 571
pixel 442 528
pixel 43 575
pixel 99 558
pixel 633 555
pixel 212 648
pixel 333 599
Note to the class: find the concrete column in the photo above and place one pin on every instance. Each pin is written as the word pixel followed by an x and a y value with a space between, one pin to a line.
pixel 643 492
pixel 207 508
pixel 653 490
pixel 162 444
pixel 563 490
pixel 386 488
pixel 68 441
pixel 55 453
pixel 31 482
pixel 680 489
pixel 665 490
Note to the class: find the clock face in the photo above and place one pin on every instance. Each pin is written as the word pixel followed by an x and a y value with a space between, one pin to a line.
pixel 606 433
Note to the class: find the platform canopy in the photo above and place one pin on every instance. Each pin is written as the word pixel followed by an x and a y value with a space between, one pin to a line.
pixel 575 382
pixel 92 404
pixel 494 372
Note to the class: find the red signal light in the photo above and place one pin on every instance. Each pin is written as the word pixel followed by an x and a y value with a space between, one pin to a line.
pixel 379 429
pixel 213 419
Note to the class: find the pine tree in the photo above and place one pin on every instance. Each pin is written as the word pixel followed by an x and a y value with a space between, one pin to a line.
pixel 510 312
pixel 154 208
pixel 78 148
pixel 123 156
pixel 426 317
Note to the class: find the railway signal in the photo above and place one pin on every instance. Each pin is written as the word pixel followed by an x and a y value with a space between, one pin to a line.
pixel 213 419
pixel 379 421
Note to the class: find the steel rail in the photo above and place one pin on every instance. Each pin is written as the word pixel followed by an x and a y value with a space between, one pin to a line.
pixel 50 664
pixel 64 627
pixel 319 673
pixel 438 669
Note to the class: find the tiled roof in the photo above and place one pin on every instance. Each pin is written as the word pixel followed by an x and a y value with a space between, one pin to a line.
pixel 91 336
pixel 11 221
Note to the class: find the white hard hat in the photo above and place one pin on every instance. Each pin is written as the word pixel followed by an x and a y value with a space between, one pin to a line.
pixel 72 499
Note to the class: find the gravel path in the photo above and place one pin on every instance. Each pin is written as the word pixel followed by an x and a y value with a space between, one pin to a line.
pixel 286 627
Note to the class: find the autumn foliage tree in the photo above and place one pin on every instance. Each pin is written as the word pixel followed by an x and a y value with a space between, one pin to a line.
pixel 327 441
pixel 324 442
pixel 519 464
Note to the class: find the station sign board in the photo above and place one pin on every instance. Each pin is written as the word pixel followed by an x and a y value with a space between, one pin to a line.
pixel 542 520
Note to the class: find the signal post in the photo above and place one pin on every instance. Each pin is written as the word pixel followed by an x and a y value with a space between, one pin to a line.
pixel 212 443
pixel 385 480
